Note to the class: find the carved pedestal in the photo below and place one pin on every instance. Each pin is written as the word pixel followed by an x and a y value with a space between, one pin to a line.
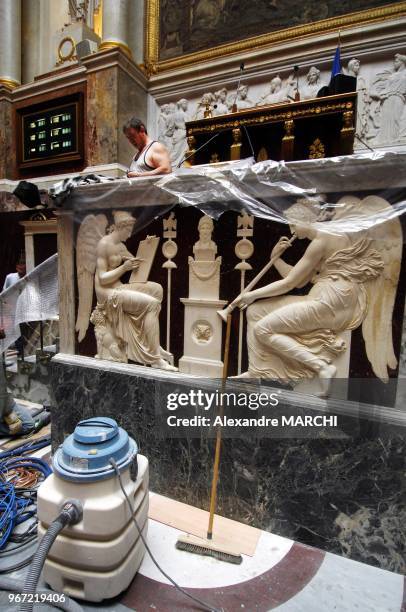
pixel 203 326
pixel 202 333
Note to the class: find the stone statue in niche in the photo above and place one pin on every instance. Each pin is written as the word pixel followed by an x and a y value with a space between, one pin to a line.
pixel 388 114
pixel 126 317
pixel 275 94
pixel 221 102
pixel 312 85
pixel 203 326
pixel 354 276
pixel 78 10
pixel 353 69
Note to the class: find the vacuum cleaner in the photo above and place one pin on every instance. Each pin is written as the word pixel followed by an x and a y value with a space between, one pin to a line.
pixel 96 549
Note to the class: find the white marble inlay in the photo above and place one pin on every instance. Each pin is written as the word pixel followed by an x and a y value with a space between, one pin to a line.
pixel 195 571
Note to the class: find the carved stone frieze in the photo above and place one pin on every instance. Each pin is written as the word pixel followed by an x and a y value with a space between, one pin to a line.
pixel 381 105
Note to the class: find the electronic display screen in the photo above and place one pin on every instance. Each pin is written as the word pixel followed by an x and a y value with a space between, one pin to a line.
pixel 50 133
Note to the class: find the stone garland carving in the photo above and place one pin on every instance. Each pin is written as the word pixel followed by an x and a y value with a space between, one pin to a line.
pixel 126 317
pixel 356 273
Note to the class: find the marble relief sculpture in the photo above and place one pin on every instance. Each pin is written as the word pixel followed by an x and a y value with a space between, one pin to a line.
pixel 126 317
pixel 221 102
pixel 243 101
pixel 276 93
pixel 203 327
pixel 354 276
pixel 353 69
pixel 313 84
pixel 388 108
pixel 179 146
pixel 78 9
pixel 166 125
pixel 206 102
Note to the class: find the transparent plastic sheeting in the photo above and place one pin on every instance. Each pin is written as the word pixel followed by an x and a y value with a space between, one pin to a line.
pixel 33 298
pixel 266 189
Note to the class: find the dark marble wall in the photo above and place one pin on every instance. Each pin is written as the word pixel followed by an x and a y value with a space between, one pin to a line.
pixel 344 495
pixel 7 148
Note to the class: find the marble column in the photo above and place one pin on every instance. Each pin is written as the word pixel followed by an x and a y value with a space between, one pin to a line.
pixel 31 39
pixel 10 43
pixel 115 25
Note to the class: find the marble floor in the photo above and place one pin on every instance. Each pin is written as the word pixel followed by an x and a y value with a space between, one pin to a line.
pixel 282 575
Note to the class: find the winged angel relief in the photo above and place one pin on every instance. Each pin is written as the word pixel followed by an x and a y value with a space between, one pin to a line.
pixel 126 317
pixel 353 262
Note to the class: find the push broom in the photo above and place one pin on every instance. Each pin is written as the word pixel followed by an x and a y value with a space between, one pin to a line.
pixel 209 547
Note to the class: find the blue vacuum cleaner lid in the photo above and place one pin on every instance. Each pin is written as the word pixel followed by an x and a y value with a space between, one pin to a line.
pixel 85 455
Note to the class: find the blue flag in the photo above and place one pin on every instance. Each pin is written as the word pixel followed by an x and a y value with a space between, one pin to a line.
pixel 336 69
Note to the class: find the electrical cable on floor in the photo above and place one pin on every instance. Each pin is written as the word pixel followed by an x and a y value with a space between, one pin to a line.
pixel 202 603
pixel 27 448
pixel 20 477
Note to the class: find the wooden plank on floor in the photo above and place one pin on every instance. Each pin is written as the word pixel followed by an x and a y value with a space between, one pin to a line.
pixel 236 536
pixel 20 441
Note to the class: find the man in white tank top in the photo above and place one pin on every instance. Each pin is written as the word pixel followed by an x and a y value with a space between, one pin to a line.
pixel 152 157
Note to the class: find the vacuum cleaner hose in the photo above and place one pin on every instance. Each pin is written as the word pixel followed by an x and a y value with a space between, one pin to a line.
pixel 71 513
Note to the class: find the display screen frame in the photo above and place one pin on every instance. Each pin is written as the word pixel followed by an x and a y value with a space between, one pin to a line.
pixel 75 154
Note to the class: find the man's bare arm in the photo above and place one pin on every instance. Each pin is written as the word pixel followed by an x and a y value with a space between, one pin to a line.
pixel 159 159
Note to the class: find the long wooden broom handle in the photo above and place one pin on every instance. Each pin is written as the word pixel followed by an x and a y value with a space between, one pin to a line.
pixel 213 494
pixel 253 282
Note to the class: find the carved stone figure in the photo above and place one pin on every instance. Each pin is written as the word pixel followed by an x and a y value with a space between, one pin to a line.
pixel 205 103
pixel 167 126
pixel 203 327
pixel 83 11
pixel 276 93
pixel 354 276
pixel 179 145
pixel 163 114
pixel 353 69
pixel 243 100
pixel 126 318
pixel 312 85
pixel 220 98
pixel 388 117
pixel 204 278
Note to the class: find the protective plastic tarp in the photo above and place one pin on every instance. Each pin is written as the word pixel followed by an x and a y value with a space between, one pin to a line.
pixel 33 298
pixel 264 189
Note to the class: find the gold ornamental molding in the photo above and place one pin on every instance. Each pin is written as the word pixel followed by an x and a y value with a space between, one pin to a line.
pixel 152 37
pixel 312 107
pixel 113 44
pixel 9 83
pixel 66 56
pixel 152 64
